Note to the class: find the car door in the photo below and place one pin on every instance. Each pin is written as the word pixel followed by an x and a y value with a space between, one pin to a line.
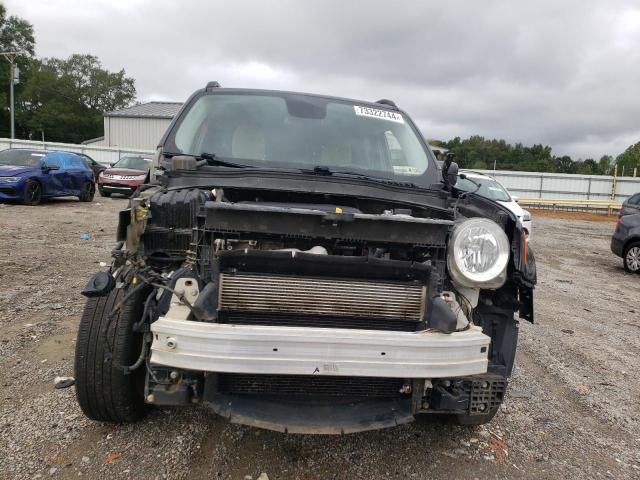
pixel 79 173
pixel 54 177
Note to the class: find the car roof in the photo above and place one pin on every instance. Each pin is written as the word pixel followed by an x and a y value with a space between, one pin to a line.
pixel 368 103
pixel 44 152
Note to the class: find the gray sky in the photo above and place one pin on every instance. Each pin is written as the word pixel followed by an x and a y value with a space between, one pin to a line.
pixel 563 73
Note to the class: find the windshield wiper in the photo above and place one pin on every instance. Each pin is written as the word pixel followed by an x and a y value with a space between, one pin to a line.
pixel 206 158
pixel 324 170
pixel 212 159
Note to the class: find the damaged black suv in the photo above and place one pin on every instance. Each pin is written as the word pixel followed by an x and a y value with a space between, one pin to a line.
pixel 296 263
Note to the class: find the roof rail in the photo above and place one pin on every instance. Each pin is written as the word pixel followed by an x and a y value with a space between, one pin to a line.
pixel 211 85
pixel 390 103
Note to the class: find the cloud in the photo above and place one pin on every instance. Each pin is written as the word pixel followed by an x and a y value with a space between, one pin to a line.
pixel 558 73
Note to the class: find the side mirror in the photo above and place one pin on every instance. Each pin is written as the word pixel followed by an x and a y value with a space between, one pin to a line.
pixel 449 174
pixel 48 168
pixel 515 198
pixel 449 171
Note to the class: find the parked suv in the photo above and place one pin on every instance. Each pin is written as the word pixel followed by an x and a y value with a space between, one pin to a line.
pixel 625 241
pixel 631 205
pixel 297 264
pixel 125 176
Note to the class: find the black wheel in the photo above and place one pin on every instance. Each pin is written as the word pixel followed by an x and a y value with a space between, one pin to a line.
pixel 87 192
pixel 32 192
pixel 631 257
pixel 103 193
pixel 103 390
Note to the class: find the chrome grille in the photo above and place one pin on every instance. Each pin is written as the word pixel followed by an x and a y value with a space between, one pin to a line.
pixel 321 296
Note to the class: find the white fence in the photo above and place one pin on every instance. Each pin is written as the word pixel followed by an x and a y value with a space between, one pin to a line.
pixel 566 186
pixel 104 155
pixel 522 184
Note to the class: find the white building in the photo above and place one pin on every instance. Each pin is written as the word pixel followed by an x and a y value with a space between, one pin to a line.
pixel 138 127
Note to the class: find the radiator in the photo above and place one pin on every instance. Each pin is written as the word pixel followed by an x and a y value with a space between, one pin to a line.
pixel 321 296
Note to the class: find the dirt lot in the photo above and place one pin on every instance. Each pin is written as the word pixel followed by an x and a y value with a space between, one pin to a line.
pixel 573 409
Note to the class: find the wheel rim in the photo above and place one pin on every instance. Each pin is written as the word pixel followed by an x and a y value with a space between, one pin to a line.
pixel 33 192
pixel 633 259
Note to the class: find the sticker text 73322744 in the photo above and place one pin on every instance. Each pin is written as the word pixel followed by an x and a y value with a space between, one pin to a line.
pixel 378 113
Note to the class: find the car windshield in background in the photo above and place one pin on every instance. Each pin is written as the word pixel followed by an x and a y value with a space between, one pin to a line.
pixel 488 188
pixel 134 163
pixel 301 132
pixel 22 158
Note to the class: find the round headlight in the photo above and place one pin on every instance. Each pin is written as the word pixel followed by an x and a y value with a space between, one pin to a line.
pixel 478 254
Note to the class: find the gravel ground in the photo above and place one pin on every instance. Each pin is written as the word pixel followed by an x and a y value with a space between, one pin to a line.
pixel 572 409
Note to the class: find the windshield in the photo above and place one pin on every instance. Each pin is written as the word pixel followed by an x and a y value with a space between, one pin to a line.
pixel 489 188
pixel 23 158
pixel 134 163
pixel 301 132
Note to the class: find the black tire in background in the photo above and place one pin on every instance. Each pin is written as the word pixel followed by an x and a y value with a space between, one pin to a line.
pixel 103 193
pixel 103 391
pixel 87 192
pixel 631 252
pixel 32 192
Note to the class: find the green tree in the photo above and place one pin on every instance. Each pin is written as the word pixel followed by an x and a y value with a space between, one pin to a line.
pixel 67 98
pixel 628 160
pixel 565 164
pixel 16 34
pixel 587 167
pixel 604 165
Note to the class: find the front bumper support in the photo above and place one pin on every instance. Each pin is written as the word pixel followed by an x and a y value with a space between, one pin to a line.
pixel 229 348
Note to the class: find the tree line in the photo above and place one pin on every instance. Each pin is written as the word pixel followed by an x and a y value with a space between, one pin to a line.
pixel 477 152
pixel 62 100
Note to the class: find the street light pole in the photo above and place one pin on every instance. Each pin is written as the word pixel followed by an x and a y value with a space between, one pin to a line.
pixel 13 124
pixel 11 57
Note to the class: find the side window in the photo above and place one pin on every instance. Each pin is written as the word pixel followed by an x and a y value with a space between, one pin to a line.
pixel 635 200
pixel 77 163
pixel 52 160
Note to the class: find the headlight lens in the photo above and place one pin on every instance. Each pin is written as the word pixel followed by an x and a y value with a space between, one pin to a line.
pixel 526 216
pixel 478 254
pixel 9 179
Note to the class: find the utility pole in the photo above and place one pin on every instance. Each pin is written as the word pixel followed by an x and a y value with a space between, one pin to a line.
pixel 11 57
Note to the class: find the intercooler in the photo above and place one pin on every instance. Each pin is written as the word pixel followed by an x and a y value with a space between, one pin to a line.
pixel 308 385
pixel 330 297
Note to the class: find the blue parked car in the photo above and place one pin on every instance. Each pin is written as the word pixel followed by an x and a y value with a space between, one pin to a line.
pixel 32 175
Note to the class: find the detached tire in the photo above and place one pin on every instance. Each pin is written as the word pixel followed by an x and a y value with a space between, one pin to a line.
pixel 87 192
pixel 631 257
pixel 103 391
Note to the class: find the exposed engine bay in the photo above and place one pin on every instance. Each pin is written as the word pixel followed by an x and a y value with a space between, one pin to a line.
pixel 335 265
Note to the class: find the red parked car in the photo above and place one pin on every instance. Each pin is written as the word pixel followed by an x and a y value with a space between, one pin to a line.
pixel 125 176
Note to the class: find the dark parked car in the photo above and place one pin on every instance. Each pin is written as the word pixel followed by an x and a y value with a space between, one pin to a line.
pixel 625 242
pixel 125 176
pixel 631 205
pixel 93 165
pixel 31 175
pixel 296 263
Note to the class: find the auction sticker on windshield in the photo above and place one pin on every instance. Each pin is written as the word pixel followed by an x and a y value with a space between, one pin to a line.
pixel 380 114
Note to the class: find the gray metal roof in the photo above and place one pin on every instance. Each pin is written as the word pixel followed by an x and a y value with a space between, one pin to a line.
pixel 148 110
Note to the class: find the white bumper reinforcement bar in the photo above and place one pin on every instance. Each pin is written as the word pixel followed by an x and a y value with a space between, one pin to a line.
pixel 226 348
